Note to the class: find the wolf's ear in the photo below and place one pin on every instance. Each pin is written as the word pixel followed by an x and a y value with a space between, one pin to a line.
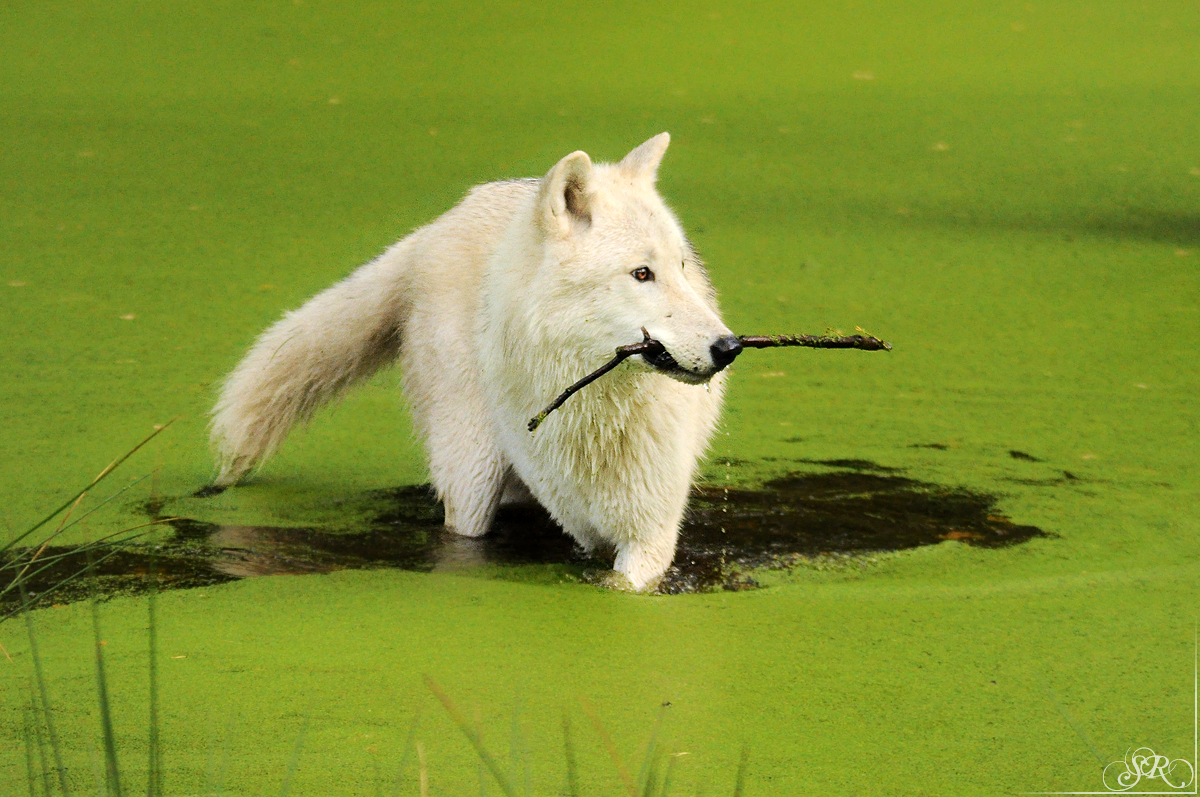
pixel 643 161
pixel 565 194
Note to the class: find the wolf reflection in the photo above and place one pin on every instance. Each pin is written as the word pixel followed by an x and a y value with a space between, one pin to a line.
pixel 728 536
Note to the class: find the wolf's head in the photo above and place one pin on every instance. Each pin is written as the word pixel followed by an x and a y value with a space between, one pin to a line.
pixel 616 261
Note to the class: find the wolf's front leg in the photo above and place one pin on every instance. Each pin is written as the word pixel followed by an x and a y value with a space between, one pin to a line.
pixel 644 561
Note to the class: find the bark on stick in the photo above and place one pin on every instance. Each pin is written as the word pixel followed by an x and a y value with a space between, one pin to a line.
pixel 651 346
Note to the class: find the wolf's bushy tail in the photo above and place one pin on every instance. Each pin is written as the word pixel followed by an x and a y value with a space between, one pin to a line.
pixel 311 356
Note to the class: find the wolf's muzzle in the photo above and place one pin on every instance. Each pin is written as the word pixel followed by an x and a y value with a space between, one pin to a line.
pixel 662 360
pixel 725 351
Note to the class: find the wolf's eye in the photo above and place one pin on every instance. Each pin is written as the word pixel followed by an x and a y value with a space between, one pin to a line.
pixel 643 274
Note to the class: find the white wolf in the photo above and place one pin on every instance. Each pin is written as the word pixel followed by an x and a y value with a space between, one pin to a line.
pixel 492 310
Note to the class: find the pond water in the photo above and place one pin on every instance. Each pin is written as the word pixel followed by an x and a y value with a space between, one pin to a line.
pixel 729 533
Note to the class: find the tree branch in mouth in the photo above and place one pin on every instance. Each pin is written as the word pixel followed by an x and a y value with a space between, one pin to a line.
pixel 651 347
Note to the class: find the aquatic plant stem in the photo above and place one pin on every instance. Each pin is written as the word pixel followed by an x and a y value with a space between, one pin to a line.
pixel 116 463
pixel 294 763
pixel 422 771
pixel 666 784
pixel 89 549
pixel 41 747
pixel 480 768
pixel 44 694
pixel 154 775
pixel 409 748
pixel 743 763
pixel 569 752
pixel 377 772
pixel 42 547
pixel 214 779
pixel 610 746
pixel 646 775
pixel 1083 737
pixel 472 736
pixel 651 346
pixel 29 713
pixel 111 767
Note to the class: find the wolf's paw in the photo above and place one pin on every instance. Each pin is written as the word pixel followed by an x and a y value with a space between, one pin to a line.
pixel 615 580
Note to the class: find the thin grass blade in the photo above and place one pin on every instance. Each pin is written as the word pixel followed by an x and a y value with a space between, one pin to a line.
pixel 739 787
pixel 34 741
pixel 214 778
pixel 569 752
pixel 672 759
pixel 378 774
pixel 422 772
pixel 497 773
pixel 116 463
pixel 106 541
pixel 88 549
pixel 518 760
pixel 514 734
pixel 105 502
pixel 97 774
pixel 27 712
pixel 481 770
pixel 154 774
pixel 42 548
pixel 294 764
pixel 1075 726
pixel 409 749
pixel 609 745
pixel 45 768
pixel 112 770
pixel 92 564
pixel 650 786
pixel 43 692
pixel 650 756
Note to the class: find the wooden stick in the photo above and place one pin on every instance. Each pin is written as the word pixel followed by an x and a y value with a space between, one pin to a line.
pixel 863 342
pixel 648 346
pixel 651 346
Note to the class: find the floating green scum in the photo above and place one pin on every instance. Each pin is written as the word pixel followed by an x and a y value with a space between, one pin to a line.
pixel 1007 192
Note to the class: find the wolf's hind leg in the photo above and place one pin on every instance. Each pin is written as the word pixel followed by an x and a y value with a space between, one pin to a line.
pixel 469 475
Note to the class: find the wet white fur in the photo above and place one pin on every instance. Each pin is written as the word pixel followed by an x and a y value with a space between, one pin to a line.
pixel 492 310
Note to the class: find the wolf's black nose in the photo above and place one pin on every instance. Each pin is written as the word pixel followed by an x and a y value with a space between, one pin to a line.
pixel 725 350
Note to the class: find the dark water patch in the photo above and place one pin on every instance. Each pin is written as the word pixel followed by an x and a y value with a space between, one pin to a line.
pixel 728 534
pixel 805 516
pixel 1021 455
pixel 1148 223
pixel 1050 481
pixel 934 446
pixel 113 571
pixel 851 464
pixel 208 491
